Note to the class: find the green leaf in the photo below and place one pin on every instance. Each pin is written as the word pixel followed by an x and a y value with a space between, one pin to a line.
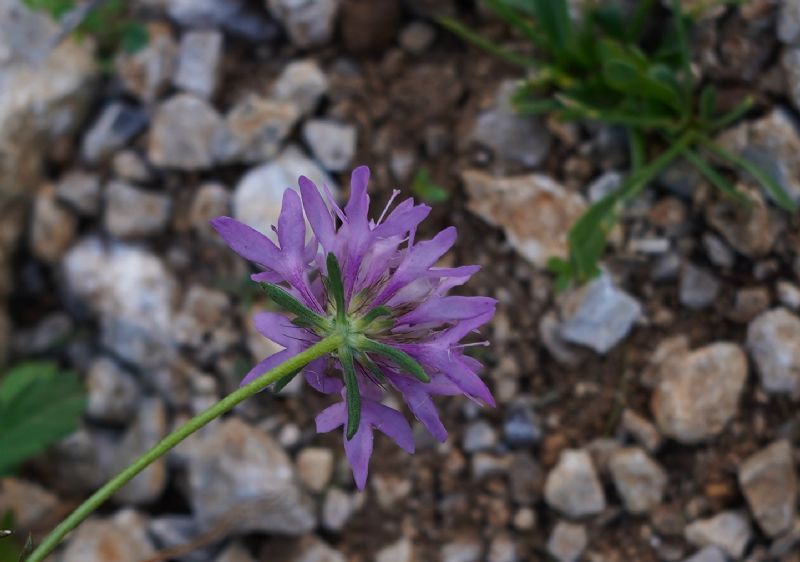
pixel 352 393
pixel 282 298
pixel 556 24
pixel 374 314
pixel 708 103
pixel 715 178
pixel 281 383
pixel 734 114
pixel 134 37
pixel 335 286
pixel 777 191
pixel 400 358
pixel 424 187
pixel 515 19
pixel 470 36
pixel 39 405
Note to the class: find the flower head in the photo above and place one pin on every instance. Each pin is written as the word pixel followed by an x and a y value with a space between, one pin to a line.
pixel 375 288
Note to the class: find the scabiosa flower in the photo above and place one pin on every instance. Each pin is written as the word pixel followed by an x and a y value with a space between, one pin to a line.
pixel 376 288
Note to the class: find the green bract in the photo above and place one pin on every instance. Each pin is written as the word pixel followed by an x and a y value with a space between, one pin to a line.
pixel 600 69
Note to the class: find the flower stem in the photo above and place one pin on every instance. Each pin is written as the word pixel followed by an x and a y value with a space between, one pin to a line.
pixel 83 511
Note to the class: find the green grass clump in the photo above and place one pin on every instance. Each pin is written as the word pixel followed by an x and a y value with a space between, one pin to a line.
pixel 606 67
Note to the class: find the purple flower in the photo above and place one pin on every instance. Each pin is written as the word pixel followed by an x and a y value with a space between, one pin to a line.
pixel 376 287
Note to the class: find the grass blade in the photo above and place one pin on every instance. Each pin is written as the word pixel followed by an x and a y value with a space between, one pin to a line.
pixel 714 177
pixel 470 36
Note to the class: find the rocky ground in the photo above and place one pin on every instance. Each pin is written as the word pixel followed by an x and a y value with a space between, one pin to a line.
pixel 648 416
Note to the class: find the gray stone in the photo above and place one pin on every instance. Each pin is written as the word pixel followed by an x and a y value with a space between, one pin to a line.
pixel 211 200
pixel 788 294
pixel 773 340
pixel 789 21
pixel 699 287
pixel 302 83
pixel 113 392
pixel 708 554
pixel 604 185
pixel 337 509
pixel 598 315
pixel 205 323
pixel 332 143
pixel 148 72
pixel 132 212
pixel 639 480
pixel 128 165
pixel 391 489
pixel 122 538
pixel 312 549
pixel 199 61
pixel 521 427
pixel 718 252
pixel 535 211
pixel 513 138
pixel 417 37
pixel 81 191
pixel 309 23
pixel 749 303
pixel 728 530
pixel 698 392
pixel 769 482
pixel 641 429
pixel 751 229
pixel 51 331
pixel 237 17
pixel 237 468
pixel 235 553
pixel 772 142
pixel 184 132
pixel 479 436
pixel 681 178
pixel 567 541
pixel 148 428
pixel 400 551
pixel 315 467
pixel 53 227
pixel 117 125
pixel 255 130
pixel 572 487
pixel 44 93
pixel 502 549
pixel 464 549
pixel 28 502
pixel 550 335
pixel 171 531
pixel 131 292
pixel 402 163
pixel 258 196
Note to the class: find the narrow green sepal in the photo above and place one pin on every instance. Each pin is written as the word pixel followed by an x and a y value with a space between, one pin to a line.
pixel 352 394
pixel 400 358
pixel 374 314
pixel 281 383
pixel 335 285
pixel 370 366
pixel 282 298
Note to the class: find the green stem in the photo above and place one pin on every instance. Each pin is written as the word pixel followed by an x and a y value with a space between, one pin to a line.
pixel 225 405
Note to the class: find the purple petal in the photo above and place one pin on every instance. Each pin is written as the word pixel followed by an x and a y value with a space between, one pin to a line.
pixel 265 365
pixel 292 227
pixel 421 405
pixel 319 216
pixel 404 218
pixel 279 328
pixel 315 375
pixel 357 207
pixel 331 417
pixel 358 451
pixel 267 277
pixel 447 309
pixel 389 422
pixel 247 242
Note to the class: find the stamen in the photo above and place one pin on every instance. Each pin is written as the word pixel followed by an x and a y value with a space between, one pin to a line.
pixel 395 193
pixel 332 202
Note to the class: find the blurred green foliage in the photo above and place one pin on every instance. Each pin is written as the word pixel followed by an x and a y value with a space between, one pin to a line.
pixel 106 21
pixel 423 187
pixel 607 67
pixel 39 405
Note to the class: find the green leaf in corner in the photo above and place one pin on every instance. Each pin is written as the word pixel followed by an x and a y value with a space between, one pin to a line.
pixel 424 187
pixel 39 405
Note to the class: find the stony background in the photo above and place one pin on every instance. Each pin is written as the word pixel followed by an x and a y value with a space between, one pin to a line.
pixel 649 416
